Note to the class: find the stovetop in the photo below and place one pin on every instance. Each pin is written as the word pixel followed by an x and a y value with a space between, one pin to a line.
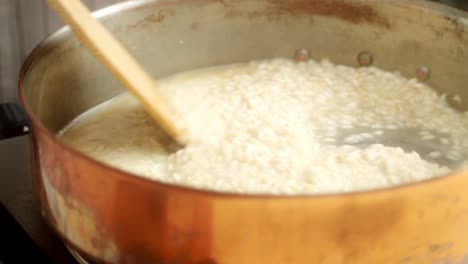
pixel 24 236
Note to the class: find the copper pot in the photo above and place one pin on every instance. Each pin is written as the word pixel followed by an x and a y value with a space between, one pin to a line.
pixel 112 216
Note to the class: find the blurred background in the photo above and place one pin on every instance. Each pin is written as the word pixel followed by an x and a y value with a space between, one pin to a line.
pixel 24 23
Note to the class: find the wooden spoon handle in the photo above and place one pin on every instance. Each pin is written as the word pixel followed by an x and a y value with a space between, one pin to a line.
pixel 106 49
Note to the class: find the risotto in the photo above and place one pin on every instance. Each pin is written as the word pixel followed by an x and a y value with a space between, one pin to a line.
pixel 282 127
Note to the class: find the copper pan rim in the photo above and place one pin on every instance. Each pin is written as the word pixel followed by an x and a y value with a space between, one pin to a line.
pixel 36 124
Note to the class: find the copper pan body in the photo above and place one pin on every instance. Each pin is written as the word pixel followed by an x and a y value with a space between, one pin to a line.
pixel 113 217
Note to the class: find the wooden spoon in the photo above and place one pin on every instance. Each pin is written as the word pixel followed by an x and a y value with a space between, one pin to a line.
pixel 106 49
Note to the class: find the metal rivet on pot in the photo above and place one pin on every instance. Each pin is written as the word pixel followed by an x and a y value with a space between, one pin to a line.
pixel 302 54
pixel 423 73
pixel 365 58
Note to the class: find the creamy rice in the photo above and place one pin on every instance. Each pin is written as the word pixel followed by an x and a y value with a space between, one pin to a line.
pixel 283 127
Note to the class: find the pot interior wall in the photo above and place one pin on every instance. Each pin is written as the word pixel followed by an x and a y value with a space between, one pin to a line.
pixel 62 80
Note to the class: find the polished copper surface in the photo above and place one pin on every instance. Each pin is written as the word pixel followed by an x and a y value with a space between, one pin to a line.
pixel 115 217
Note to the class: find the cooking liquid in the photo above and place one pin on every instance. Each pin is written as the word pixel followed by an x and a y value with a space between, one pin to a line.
pixel 282 127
